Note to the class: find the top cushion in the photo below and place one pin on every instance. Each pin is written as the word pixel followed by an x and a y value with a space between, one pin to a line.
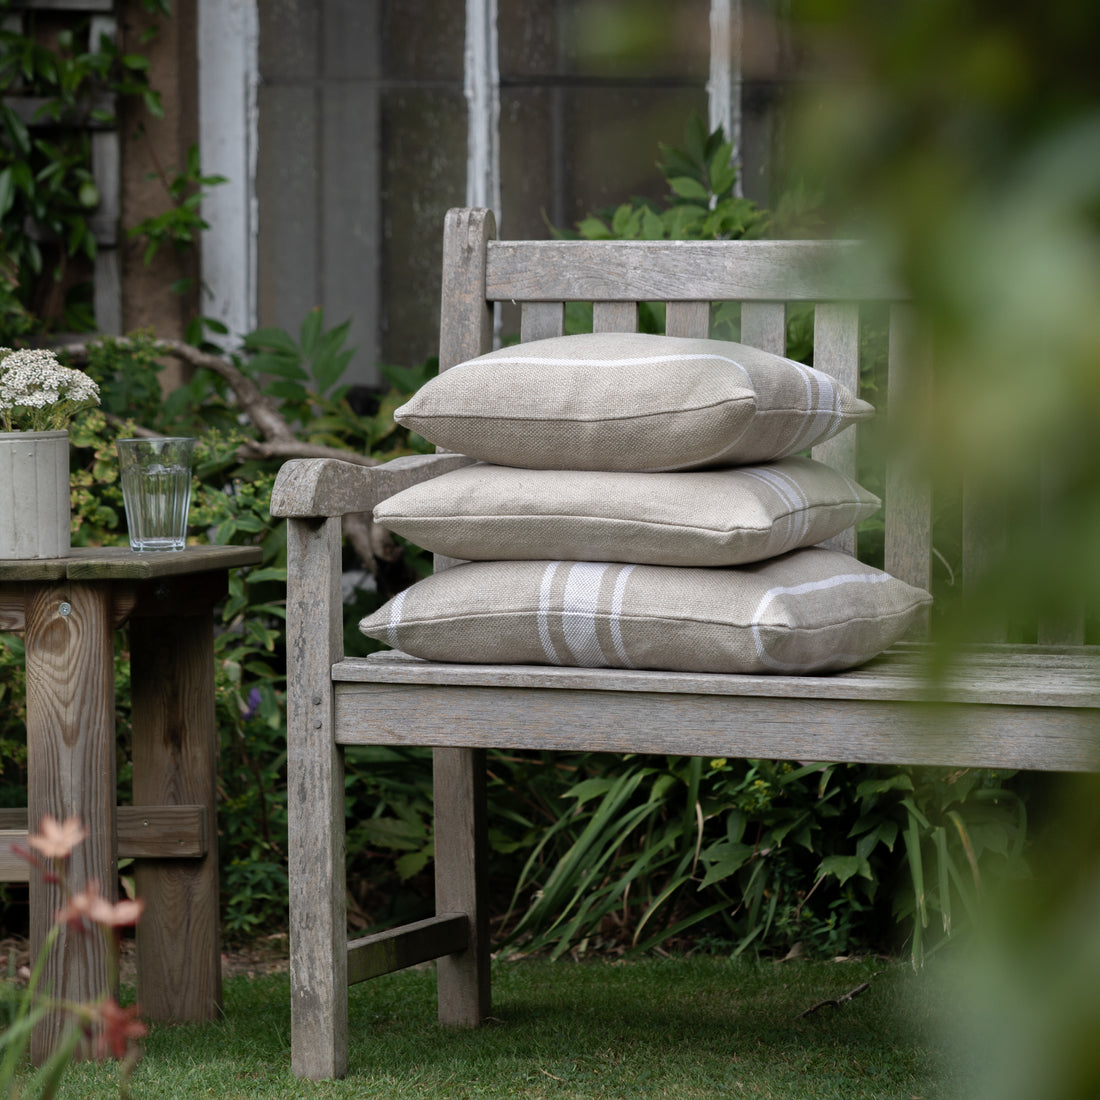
pixel 631 402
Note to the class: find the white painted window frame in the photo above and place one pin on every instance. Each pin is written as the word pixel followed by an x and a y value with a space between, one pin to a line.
pixel 228 79
pixel 228 62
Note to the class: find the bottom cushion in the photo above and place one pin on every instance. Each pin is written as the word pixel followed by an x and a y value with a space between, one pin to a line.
pixel 811 610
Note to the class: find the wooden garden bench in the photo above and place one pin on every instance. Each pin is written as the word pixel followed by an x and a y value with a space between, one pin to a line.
pixel 1005 706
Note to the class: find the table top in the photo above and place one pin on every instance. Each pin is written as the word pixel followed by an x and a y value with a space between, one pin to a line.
pixel 121 563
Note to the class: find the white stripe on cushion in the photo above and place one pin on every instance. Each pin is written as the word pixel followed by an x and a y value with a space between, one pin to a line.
pixel 791 494
pixel 798 590
pixel 544 611
pixel 395 618
pixel 580 605
pixel 617 616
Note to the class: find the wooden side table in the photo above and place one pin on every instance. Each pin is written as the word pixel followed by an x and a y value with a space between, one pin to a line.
pixel 69 608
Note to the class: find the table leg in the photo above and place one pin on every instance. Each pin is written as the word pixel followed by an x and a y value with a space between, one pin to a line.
pixel 71 772
pixel 175 759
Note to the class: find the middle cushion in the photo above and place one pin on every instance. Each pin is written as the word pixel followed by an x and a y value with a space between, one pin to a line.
pixel 704 517
pixel 630 401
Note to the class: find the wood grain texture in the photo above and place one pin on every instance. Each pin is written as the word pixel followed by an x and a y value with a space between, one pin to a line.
pixel 71 770
pixel 614 316
pixel 687 319
pixel 680 723
pixel 13 867
pixel 11 607
pixel 121 563
pixel 461 881
pixel 997 675
pixel 316 487
pixel 669 271
pixel 411 944
pixel 764 325
pixel 466 318
pixel 836 352
pixel 315 793
pixel 541 321
pixel 154 832
pixel 908 491
pixel 175 754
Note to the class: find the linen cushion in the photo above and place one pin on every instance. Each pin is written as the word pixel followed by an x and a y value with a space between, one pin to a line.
pixel 630 401
pixel 700 517
pixel 812 610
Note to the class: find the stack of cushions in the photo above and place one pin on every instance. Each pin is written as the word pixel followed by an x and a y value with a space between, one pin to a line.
pixel 638 503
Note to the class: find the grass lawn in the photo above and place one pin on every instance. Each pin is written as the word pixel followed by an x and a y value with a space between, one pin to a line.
pixel 682 1028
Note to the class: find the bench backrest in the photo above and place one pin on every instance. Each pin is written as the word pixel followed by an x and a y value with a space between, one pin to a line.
pixel 766 278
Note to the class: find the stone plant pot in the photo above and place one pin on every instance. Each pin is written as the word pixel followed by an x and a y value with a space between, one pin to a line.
pixel 35 514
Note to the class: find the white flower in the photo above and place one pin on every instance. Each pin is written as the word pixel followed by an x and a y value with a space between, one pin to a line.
pixel 38 394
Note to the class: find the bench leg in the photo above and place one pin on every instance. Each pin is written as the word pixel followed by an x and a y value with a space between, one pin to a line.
pixel 461 845
pixel 175 753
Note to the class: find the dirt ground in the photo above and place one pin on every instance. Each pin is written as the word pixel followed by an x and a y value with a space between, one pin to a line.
pixel 267 955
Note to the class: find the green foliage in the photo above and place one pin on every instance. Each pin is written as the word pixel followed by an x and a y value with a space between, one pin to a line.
pixel 181 225
pixel 229 505
pixel 48 195
pixel 735 854
pixel 702 203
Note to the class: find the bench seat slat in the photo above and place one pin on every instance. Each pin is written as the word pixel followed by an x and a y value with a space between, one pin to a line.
pixel 701 724
pixel 1013 677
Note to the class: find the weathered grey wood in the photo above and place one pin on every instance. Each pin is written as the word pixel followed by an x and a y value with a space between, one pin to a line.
pixel 13 867
pixel 775 727
pixel 71 770
pixel 614 316
pixel 998 675
pixel 836 352
pixel 65 5
pixel 687 319
pixel 908 491
pixel 87 563
pixel 670 271
pixel 315 795
pixel 461 881
pixel 314 487
pixel 541 320
pixel 411 944
pixel 175 756
pixel 764 325
pixel 144 832
pixel 466 318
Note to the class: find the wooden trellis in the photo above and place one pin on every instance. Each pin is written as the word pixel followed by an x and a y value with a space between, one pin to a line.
pixel 105 152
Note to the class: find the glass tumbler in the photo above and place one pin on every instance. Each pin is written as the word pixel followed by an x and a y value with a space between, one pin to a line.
pixel 156 490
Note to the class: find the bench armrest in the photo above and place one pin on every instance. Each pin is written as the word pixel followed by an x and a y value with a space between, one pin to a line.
pixel 308 488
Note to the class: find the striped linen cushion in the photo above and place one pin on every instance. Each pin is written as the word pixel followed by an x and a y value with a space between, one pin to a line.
pixel 630 401
pixel 702 517
pixel 812 610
